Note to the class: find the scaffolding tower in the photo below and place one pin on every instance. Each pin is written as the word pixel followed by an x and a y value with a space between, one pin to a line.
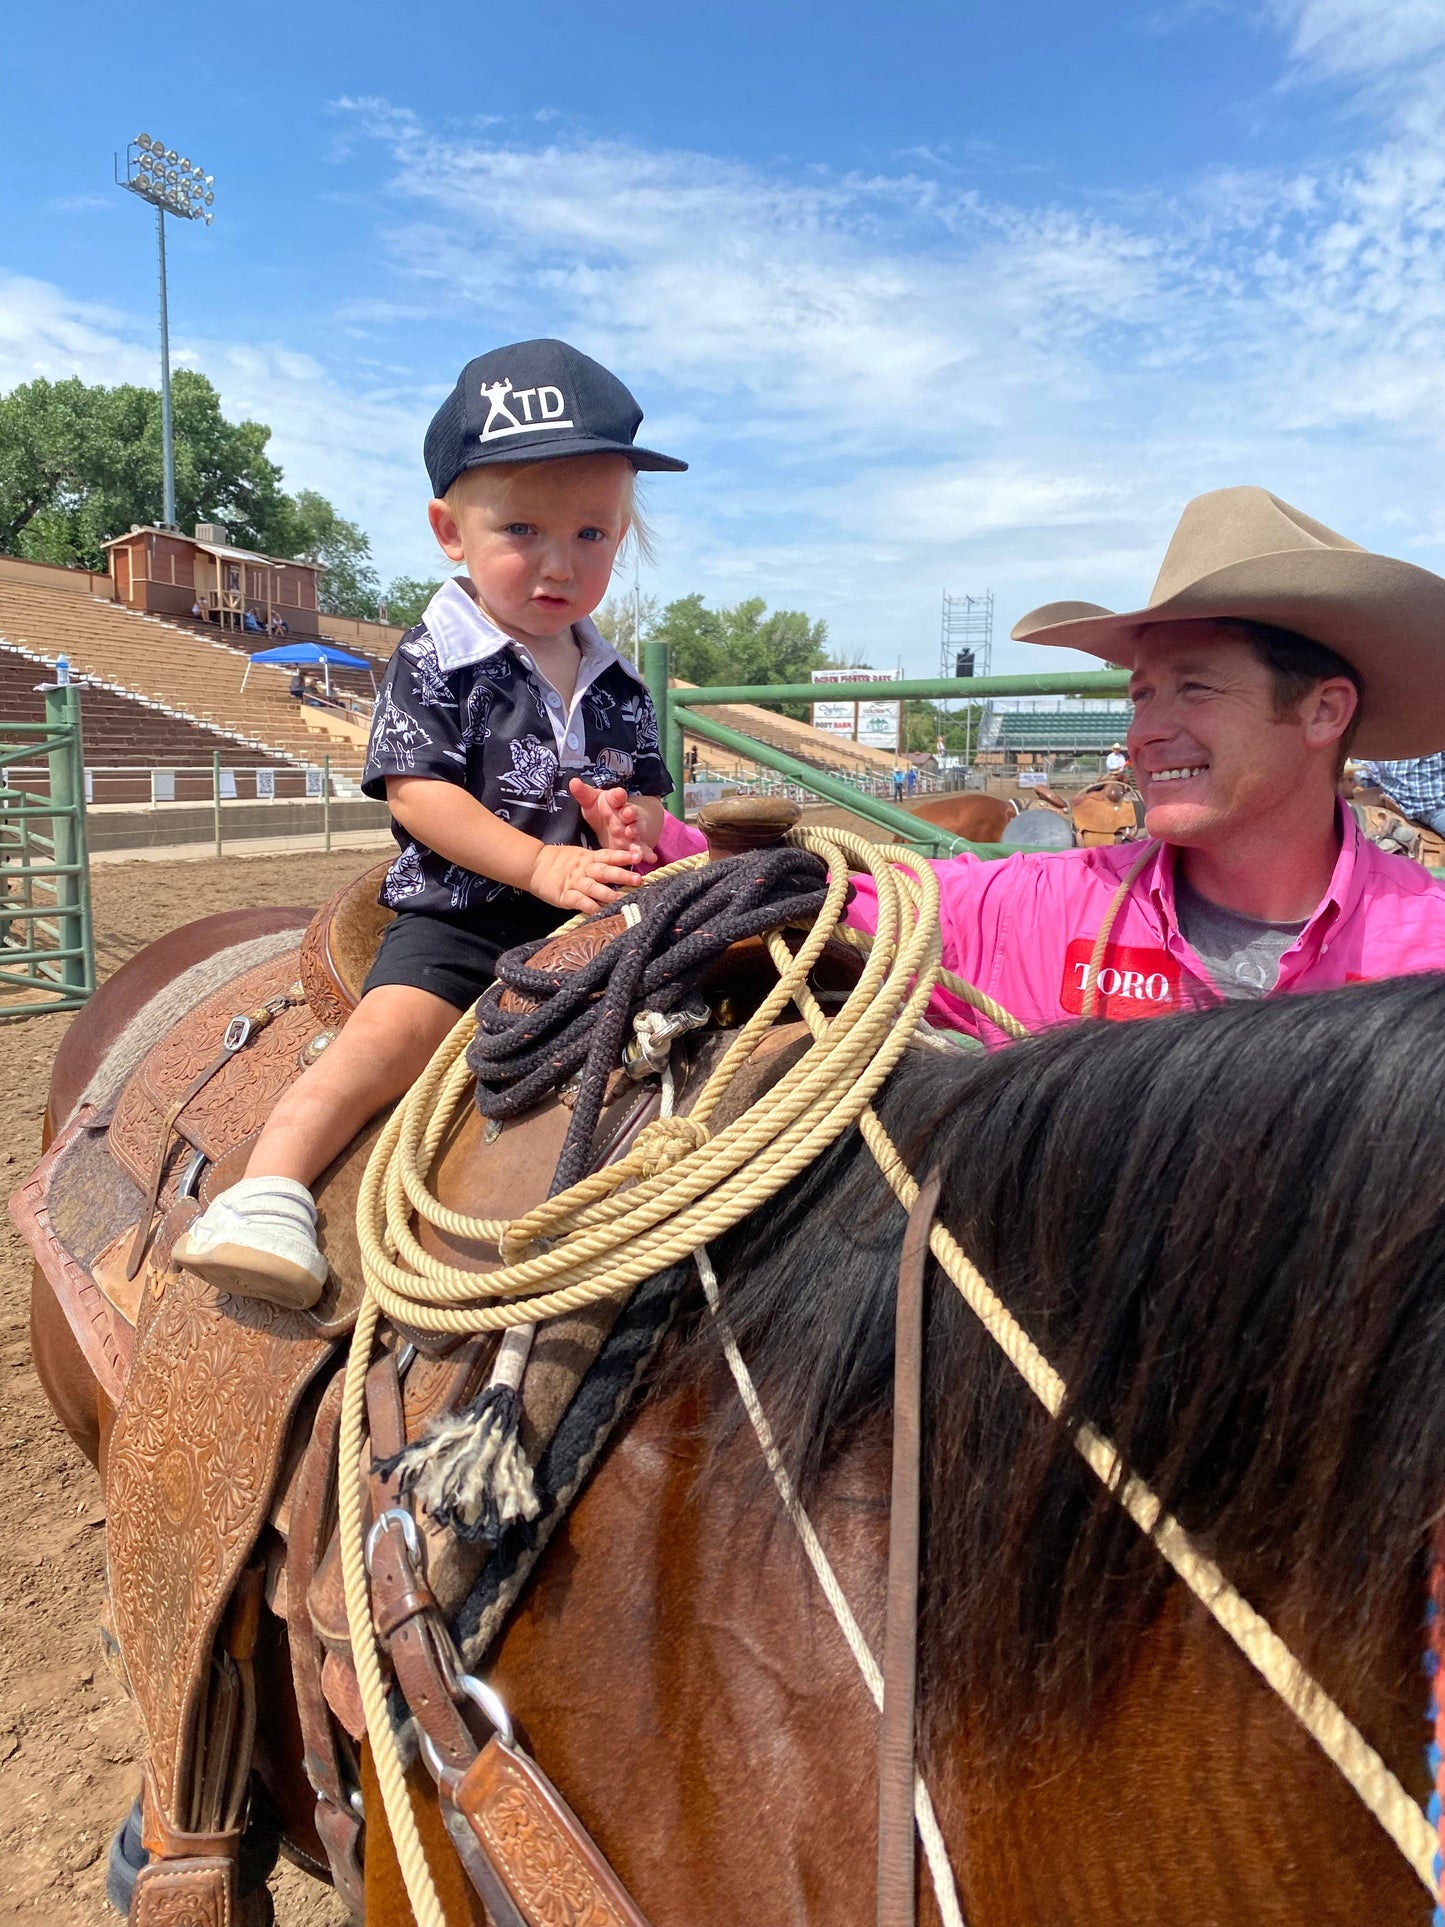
pixel 966 649
pixel 967 635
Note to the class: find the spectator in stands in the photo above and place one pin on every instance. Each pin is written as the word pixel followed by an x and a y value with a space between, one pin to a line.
pixel 518 754
pixel 198 614
pixel 252 624
pixel 298 686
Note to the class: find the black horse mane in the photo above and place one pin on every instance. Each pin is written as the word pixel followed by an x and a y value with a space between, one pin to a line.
pixel 1227 1231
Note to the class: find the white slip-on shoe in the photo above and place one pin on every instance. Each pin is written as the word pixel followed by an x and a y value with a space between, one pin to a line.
pixel 258 1240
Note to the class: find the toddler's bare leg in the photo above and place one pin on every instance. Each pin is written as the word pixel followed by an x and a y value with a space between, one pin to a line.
pixel 379 1054
pixel 258 1239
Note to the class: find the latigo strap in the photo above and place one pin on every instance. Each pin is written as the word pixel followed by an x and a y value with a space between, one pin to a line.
pixel 239 1032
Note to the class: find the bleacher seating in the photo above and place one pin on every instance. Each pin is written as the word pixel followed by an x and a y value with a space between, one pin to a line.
pixel 346 682
pixel 121 734
pixel 1059 732
pixel 196 679
pixel 794 738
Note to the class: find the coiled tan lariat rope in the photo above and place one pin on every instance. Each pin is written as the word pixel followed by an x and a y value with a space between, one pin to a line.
pixel 598 1239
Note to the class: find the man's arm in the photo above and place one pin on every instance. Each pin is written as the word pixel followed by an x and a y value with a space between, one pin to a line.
pixel 450 820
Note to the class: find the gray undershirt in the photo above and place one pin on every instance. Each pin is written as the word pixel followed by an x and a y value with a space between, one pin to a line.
pixel 1241 954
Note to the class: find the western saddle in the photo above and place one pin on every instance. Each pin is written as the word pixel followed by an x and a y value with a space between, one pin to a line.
pixel 220 1464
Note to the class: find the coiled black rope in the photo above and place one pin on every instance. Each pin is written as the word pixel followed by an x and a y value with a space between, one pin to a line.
pixel 583 1017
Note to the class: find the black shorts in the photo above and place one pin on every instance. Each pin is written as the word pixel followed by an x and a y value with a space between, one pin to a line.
pixel 452 960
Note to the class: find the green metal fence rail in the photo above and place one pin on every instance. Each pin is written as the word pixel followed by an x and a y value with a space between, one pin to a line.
pixel 47 947
pixel 677 710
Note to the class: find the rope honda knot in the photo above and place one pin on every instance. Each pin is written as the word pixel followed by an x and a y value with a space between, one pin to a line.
pixel 666 1141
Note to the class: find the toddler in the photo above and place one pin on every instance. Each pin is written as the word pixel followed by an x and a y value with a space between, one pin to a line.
pixel 518 755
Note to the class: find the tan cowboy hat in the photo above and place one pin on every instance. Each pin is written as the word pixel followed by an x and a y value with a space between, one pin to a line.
pixel 1242 552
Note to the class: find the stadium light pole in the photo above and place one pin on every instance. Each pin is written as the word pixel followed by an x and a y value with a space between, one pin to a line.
pixel 172 184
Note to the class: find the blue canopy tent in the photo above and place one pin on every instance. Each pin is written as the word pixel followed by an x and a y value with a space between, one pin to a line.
pixel 310 655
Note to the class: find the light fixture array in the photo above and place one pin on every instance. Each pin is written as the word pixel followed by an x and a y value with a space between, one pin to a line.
pixel 169 181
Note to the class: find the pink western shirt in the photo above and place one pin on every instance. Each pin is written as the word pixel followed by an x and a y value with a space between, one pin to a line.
pixel 1023 929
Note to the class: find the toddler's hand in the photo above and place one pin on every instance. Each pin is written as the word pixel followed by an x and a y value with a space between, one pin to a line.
pixel 576 879
pixel 612 817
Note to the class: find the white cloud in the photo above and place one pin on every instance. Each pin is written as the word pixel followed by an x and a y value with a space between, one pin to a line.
pixel 890 384
pixel 1347 38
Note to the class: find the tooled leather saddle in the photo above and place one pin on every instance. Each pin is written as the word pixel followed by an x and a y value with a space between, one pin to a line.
pixel 220 1462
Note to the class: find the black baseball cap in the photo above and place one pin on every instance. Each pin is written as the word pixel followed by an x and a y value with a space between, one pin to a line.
pixel 533 402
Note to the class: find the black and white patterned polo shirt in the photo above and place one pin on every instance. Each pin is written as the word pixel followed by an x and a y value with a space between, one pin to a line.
pixel 464 703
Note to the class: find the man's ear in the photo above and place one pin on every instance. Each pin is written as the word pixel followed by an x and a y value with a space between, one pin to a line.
pixel 1328 711
pixel 444 528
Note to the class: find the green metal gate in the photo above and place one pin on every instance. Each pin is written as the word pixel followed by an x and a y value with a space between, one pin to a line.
pixel 47 947
pixel 678 709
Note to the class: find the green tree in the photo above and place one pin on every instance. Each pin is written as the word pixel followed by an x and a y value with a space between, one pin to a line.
pixel 697 638
pixel 628 622
pixel 81 464
pixel 742 643
pixel 925 722
pixel 349 584
pixel 406 598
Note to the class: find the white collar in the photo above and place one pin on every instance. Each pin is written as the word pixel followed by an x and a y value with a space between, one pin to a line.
pixel 463 633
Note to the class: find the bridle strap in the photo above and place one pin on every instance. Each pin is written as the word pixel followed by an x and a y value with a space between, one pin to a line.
pixel 897 1887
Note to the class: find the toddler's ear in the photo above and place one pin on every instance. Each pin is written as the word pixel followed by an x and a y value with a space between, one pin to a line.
pixel 444 528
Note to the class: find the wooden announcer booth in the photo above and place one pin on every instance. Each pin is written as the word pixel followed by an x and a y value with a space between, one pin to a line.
pixel 164 573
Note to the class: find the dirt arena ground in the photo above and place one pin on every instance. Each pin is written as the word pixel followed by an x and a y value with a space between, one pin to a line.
pixel 68 1740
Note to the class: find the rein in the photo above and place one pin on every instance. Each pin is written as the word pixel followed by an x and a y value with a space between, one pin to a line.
pixel 678 1188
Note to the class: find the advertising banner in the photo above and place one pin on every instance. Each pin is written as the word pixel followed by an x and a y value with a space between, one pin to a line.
pixel 875 724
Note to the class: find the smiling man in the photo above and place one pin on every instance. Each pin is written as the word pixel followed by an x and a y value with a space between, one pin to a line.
pixel 1270 646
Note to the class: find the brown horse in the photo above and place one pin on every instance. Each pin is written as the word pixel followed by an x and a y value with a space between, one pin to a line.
pixel 1242 1288
pixel 972 814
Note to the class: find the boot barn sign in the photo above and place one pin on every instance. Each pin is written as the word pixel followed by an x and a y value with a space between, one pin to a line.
pixel 873 724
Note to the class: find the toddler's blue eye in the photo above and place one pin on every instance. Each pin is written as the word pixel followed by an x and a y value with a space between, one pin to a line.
pixel 593 535
pixel 518 528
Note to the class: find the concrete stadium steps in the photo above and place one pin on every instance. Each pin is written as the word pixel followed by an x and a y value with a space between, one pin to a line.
pixel 349 682
pixel 194 678
pixel 125 738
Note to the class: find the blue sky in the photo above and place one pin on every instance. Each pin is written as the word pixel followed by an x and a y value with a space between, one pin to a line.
pixel 933 297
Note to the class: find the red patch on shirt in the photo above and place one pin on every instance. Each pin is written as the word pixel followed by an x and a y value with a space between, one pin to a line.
pixel 1134 981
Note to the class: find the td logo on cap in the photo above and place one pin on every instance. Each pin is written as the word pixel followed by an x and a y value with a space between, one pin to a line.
pixel 535 401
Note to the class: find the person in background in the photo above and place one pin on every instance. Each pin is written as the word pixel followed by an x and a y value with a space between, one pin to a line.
pixel 1117 761
pixel 912 780
pixel 1414 784
pixel 250 624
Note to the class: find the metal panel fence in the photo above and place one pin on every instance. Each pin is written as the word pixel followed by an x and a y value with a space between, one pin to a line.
pixel 47 948
pixel 678 711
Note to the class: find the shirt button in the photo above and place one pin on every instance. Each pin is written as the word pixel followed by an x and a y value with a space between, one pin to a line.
pixel 554 700
pixel 572 742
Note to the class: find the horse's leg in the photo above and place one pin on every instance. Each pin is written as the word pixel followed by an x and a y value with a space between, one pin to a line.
pixel 386 1901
